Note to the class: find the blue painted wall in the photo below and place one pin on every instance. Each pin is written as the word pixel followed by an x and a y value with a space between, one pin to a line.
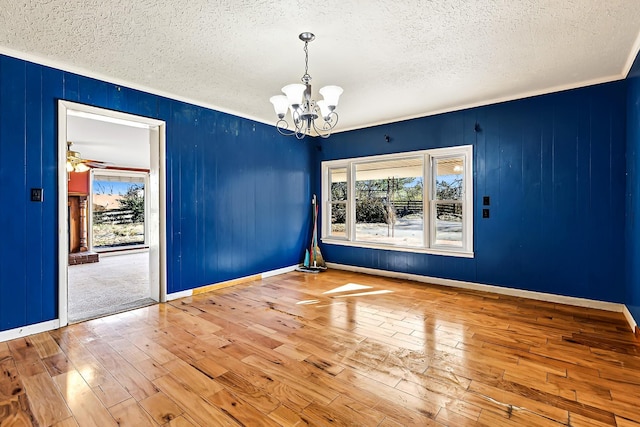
pixel 554 167
pixel 238 192
pixel 633 191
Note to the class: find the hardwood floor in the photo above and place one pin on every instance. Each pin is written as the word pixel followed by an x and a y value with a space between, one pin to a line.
pixel 303 349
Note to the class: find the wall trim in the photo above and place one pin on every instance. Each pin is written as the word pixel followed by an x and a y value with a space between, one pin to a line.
pixel 540 296
pixel 630 319
pixel 85 72
pixel 55 324
pixel 279 271
pixel 181 294
pixel 635 50
pixel 156 205
pixel 228 283
pixel 498 100
pixel 48 62
pixel 23 331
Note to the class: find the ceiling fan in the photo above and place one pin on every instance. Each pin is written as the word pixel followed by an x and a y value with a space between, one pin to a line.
pixel 75 162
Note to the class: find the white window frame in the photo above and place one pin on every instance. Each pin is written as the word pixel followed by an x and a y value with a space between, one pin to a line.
pixel 328 206
pixel 429 247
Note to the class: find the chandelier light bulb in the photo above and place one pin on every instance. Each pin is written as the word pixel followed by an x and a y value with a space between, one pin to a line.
pixel 325 109
pixel 280 105
pixel 331 95
pixel 294 93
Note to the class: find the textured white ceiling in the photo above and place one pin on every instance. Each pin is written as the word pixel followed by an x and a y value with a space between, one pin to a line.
pixel 394 59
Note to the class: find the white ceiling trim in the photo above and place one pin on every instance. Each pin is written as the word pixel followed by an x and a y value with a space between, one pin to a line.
pixel 88 73
pixel 36 59
pixel 395 60
pixel 632 57
pixel 516 97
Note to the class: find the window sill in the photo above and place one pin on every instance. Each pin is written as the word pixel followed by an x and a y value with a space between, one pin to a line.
pixel 368 245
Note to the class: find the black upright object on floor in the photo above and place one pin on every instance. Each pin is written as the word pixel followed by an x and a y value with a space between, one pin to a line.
pixel 313 261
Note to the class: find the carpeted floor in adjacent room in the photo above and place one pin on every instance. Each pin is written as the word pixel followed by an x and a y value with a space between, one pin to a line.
pixel 117 283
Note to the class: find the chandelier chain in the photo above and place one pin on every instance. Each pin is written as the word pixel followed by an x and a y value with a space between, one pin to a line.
pixel 306 78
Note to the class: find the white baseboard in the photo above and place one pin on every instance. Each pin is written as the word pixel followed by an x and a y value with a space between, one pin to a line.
pixel 540 296
pixel 23 331
pixel 270 273
pixel 55 324
pixel 630 319
pixel 180 294
pixel 279 271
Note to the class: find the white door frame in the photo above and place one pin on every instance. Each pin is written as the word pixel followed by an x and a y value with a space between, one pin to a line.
pixel 157 200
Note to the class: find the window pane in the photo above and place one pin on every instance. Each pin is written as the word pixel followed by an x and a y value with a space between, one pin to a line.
pixel 118 211
pixel 338 219
pixel 448 224
pixel 338 180
pixel 449 174
pixel 389 202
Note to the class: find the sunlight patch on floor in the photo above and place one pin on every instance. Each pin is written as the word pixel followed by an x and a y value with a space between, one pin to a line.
pixel 348 288
pixel 360 294
pixel 308 302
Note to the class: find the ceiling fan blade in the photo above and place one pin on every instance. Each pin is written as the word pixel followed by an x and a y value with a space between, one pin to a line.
pixel 75 157
pixel 96 164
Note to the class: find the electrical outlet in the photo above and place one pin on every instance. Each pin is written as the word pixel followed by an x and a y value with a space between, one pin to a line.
pixel 486 201
pixel 485 213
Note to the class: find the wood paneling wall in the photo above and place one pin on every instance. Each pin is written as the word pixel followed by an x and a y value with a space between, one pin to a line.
pixel 554 167
pixel 237 192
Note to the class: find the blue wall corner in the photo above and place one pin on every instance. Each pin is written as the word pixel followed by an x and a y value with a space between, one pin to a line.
pixel 632 227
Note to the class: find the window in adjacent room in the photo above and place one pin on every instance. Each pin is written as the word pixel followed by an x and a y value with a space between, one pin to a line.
pixel 118 208
pixel 418 201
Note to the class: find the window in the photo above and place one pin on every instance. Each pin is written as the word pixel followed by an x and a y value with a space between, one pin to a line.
pixel 118 207
pixel 447 202
pixel 338 202
pixel 419 201
pixel 389 202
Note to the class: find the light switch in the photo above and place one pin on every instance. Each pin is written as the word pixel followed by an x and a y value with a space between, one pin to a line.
pixel 37 195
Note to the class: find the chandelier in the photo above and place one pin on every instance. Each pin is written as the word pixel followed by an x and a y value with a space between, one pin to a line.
pixel 306 114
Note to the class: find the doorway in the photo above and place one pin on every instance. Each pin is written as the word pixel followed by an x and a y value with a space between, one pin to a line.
pixel 123 155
